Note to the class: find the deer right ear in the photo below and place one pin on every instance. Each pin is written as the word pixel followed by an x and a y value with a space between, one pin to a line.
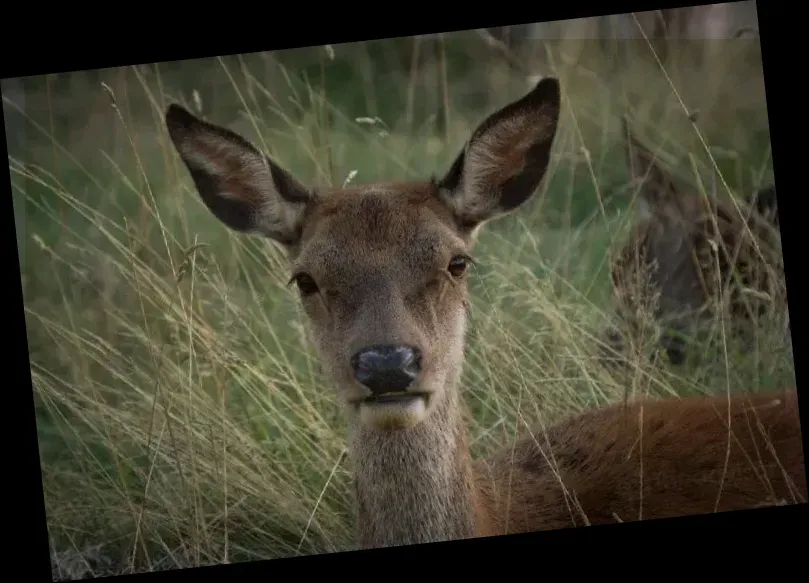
pixel 244 189
pixel 505 159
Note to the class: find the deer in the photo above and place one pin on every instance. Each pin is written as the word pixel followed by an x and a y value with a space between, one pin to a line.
pixel 686 252
pixel 382 270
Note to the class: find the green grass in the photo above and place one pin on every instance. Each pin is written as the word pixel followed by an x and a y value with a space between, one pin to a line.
pixel 182 416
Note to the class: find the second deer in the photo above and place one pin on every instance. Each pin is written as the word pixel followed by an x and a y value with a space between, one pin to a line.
pixel 382 273
pixel 688 256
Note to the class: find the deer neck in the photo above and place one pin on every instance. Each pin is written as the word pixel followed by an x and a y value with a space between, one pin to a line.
pixel 415 485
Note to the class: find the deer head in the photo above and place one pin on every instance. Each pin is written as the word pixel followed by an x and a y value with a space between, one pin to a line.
pixel 691 243
pixel 380 269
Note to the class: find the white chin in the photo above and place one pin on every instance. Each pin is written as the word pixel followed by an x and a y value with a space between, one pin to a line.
pixel 402 413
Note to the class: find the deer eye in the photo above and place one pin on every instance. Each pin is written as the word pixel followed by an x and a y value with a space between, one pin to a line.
pixel 306 285
pixel 458 265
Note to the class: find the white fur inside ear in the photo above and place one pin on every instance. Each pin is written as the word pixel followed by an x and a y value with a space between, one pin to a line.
pixel 278 216
pixel 228 162
pixel 245 176
pixel 492 158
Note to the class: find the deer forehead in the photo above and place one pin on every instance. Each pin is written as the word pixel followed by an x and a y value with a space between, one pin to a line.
pixel 351 234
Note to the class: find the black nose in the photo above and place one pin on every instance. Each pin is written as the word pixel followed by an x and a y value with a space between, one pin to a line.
pixel 387 368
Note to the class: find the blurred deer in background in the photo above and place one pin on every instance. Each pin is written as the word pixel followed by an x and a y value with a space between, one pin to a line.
pixel 687 252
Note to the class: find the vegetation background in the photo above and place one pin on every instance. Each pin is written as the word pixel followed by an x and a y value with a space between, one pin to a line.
pixel 182 418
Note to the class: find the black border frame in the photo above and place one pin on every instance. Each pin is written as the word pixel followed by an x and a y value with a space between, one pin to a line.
pixel 69 48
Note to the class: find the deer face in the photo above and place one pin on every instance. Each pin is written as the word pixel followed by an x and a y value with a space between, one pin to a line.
pixel 380 269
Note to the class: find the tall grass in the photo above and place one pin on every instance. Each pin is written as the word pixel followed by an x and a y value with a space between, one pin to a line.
pixel 182 417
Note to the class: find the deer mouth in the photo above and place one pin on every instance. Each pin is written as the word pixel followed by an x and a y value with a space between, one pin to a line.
pixel 393 410
pixel 394 398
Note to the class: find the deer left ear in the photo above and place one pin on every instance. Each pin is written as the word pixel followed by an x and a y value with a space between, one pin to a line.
pixel 242 187
pixel 506 158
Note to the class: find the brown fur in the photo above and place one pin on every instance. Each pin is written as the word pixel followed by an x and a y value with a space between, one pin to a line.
pixel 612 471
pixel 687 252
pixel 374 264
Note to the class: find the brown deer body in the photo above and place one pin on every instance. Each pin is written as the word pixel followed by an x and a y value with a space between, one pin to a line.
pixel 687 252
pixel 621 463
pixel 381 273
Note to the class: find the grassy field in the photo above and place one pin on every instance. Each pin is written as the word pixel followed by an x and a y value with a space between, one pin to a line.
pixel 182 417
